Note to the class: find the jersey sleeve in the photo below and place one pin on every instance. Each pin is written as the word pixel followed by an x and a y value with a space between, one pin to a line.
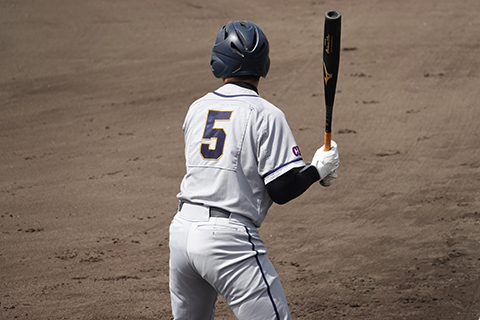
pixel 278 151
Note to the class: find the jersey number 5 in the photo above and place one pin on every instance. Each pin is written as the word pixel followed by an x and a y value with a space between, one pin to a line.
pixel 216 136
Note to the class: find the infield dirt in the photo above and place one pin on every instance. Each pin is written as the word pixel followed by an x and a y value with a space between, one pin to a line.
pixel 92 99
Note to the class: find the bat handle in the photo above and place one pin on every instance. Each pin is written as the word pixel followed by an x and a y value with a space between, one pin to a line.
pixel 328 140
pixel 328 127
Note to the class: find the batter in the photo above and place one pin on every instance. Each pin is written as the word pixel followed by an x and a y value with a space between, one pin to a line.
pixel 241 156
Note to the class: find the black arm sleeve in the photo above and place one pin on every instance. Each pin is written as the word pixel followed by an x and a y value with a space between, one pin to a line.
pixel 292 184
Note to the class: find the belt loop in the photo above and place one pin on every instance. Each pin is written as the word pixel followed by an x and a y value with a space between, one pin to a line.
pixel 193 212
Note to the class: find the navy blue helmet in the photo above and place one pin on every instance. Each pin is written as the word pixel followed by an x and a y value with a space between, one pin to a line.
pixel 241 49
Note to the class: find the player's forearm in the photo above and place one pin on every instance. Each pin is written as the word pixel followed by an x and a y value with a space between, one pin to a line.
pixel 292 184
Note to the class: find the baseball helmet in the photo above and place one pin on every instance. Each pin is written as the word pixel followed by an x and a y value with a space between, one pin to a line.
pixel 241 49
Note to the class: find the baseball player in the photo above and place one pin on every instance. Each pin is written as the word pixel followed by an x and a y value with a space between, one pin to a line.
pixel 241 157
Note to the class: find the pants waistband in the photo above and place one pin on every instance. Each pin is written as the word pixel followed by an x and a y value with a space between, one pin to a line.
pixel 198 212
pixel 212 211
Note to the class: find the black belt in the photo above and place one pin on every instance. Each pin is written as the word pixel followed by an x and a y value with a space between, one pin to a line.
pixel 219 213
pixel 213 211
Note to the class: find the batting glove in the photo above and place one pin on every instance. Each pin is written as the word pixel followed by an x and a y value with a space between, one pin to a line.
pixel 328 180
pixel 327 163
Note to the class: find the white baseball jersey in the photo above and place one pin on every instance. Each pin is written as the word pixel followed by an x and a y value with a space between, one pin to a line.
pixel 235 143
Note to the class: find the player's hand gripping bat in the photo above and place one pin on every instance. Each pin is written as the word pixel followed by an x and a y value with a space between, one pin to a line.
pixel 331 60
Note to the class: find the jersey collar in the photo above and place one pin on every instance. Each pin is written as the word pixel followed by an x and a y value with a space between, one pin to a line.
pixel 236 89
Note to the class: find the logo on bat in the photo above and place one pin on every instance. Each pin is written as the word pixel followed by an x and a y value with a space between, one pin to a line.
pixel 327 42
pixel 328 76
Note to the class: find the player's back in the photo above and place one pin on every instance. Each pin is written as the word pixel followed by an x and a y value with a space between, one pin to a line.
pixel 223 133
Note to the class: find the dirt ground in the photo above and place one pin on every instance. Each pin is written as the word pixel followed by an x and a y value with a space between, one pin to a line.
pixel 92 99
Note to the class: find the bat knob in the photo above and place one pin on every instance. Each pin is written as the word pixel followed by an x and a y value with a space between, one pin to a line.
pixel 332 15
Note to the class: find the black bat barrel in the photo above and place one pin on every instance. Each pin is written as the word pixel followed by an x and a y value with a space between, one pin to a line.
pixel 331 60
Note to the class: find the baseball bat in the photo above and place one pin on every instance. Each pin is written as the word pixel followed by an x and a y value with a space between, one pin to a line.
pixel 331 61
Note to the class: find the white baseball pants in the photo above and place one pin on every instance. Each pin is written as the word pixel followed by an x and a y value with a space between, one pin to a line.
pixel 217 255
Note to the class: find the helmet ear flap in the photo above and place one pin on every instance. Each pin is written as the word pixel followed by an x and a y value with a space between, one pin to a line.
pixel 266 68
pixel 221 66
pixel 217 66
